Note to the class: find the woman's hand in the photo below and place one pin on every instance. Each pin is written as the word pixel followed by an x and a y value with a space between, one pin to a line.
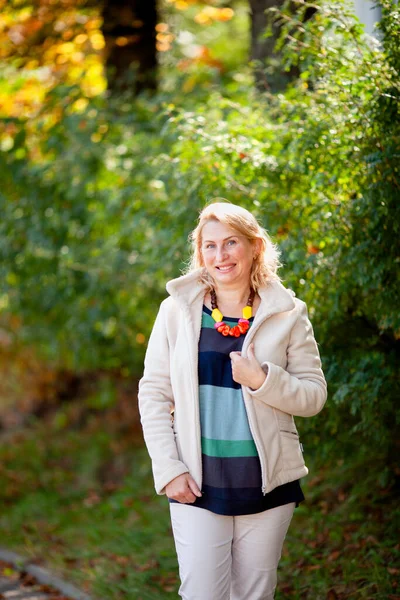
pixel 247 371
pixel 183 489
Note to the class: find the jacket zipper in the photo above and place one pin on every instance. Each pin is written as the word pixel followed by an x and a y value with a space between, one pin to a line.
pixel 247 341
pixel 196 397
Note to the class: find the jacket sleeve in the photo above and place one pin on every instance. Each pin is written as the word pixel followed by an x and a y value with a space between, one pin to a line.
pixel 155 404
pixel 300 389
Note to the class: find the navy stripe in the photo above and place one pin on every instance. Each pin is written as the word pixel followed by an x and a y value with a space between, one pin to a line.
pixel 212 340
pixel 233 494
pixel 237 495
pixel 216 369
pixel 215 501
pixel 238 472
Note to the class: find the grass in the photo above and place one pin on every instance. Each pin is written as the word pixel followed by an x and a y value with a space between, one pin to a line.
pixel 343 543
pixel 80 499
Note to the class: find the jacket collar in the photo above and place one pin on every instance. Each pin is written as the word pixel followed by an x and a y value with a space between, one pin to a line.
pixel 274 296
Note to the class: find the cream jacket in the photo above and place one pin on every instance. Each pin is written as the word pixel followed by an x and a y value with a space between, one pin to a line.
pixel 295 384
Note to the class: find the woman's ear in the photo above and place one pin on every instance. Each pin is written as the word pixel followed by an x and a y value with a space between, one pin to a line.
pixel 257 248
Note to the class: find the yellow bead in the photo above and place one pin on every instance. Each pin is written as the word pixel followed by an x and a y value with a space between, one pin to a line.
pixel 217 315
pixel 247 312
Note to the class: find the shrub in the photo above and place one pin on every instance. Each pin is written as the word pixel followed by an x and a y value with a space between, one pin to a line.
pixel 97 206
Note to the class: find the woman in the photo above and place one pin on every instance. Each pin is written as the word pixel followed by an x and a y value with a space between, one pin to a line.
pixel 233 358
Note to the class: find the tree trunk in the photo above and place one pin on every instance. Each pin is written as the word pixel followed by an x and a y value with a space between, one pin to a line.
pixel 130 36
pixel 274 78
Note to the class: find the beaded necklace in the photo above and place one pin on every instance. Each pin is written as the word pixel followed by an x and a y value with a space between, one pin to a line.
pixel 243 324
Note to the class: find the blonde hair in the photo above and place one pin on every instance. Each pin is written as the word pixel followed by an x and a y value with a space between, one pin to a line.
pixel 265 264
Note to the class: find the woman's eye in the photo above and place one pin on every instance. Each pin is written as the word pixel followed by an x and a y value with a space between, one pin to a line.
pixel 209 246
pixel 231 242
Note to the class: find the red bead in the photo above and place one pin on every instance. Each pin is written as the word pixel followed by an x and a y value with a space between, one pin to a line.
pixel 234 331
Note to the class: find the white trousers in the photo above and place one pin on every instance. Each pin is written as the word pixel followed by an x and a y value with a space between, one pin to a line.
pixel 228 558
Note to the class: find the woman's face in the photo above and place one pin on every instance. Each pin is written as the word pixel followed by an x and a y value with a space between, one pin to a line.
pixel 227 255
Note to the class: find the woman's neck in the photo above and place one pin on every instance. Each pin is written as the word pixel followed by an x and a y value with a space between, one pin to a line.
pixel 231 301
pixel 236 296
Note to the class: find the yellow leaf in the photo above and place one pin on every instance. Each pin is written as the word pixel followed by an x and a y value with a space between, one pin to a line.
pixel 66 48
pixel 97 41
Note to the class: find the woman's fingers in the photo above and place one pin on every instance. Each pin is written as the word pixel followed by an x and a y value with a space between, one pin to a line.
pixel 250 351
pixel 194 488
pixel 183 489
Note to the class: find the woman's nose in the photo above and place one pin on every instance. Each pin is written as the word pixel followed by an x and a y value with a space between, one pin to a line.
pixel 221 253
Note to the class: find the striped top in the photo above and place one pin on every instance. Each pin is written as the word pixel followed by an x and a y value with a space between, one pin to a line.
pixel 231 466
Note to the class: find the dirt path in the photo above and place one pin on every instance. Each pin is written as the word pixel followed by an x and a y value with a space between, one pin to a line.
pixel 22 581
pixel 22 586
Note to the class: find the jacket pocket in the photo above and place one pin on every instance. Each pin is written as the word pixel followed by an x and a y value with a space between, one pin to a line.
pixel 291 449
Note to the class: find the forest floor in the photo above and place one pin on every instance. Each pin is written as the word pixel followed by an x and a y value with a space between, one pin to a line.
pixel 77 496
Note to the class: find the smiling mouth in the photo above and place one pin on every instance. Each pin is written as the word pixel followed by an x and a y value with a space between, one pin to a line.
pixel 225 269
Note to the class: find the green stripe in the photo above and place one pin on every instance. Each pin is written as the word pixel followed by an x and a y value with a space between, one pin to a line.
pixel 228 448
pixel 208 321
